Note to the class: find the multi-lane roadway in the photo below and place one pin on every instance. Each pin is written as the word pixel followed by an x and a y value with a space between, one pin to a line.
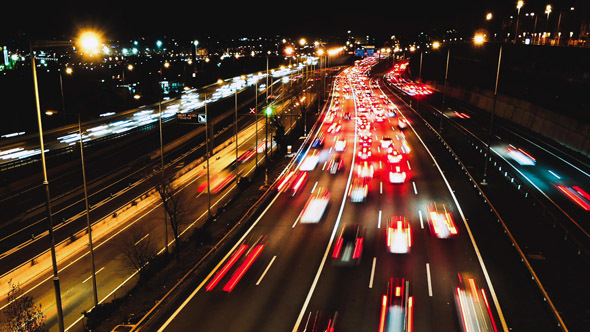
pixel 285 274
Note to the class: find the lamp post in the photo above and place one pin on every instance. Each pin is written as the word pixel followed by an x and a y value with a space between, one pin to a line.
pixel 479 41
pixel 165 65
pixel 207 152
pixel 519 5
pixel 547 11
pixel 444 89
pixel 88 41
pixel 267 112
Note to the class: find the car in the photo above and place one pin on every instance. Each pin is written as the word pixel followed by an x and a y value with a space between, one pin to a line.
pixel 335 164
pixel 397 307
pixel 310 161
pixel 402 123
pixel 348 248
pixel 340 144
pixel 397 173
pixel 359 189
pixel 299 180
pixel 441 221
pixel 315 206
pixel 346 116
pixel 334 128
pixel 386 142
pixel 365 170
pixel 318 141
pixel 365 140
pixel 520 156
pixel 393 155
pixel 473 307
pixel 364 153
pixel 399 235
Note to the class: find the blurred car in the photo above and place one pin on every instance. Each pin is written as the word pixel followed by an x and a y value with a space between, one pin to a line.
pixel 473 307
pixel 318 142
pixel 348 248
pixel 365 170
pixel 386 142
pixel 310 161
pixel 359 189
pixel 397 173
pixel 364 153
pixel 346 116
pixel 365 140
pixel 402 123
pixel 399 235
pixel 335 164
pixel 405 147
pixel 397 307
pixel 340 144
pixel 334 128
pixel 441 221
pixel 520 156
pixel 393 155
pixel 315 206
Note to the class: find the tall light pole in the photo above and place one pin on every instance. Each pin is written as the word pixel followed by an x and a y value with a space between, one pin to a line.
pixel 207 152
pixel 444 89
pixel 165 65
pixel 88 41
pixel 519 5
pixel 236 126
pixel 479 41
pixel 547 11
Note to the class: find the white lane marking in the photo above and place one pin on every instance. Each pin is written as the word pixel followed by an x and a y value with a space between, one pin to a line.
pixel 222 261
pixel 381 187
pixel 325 163
pixel 266 270
pixel 372 272
pixel 429 280
pixel 297 220
pixel 475 247
pixel 91 275
pixel 421 222
pixel 379 222
pixel 415 190
pixel 143 238
pixel 409 167
pixel 314 186
pixel 323 262
pixel 380 165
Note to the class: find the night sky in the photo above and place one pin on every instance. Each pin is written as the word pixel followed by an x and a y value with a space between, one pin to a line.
pixel 129 19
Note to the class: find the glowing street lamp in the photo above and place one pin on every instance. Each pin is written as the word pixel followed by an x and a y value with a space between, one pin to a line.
pixel 435 45
pixel 519 5
pixel 289 50
pixel 479 39
pixel 489 16
pixel 87 41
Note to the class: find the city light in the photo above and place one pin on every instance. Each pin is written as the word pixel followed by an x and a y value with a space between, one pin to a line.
pixel 479 39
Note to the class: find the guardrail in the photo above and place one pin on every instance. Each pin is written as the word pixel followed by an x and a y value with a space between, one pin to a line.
pixel 494 211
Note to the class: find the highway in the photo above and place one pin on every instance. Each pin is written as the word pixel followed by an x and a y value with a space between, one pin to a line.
pixel 283 275
pixel 144 223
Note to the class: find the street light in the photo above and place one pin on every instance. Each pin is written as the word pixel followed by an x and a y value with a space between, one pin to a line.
pixel 88 41
pixel 164 65
pixel 267 113
pixel 519 5
pixel 479 41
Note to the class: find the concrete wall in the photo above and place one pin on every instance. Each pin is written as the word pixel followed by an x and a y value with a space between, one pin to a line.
pixel 564 130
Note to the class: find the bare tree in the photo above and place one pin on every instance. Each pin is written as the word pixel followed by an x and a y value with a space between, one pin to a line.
pixel 175 204
pixel 138 250
pixel 21 314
